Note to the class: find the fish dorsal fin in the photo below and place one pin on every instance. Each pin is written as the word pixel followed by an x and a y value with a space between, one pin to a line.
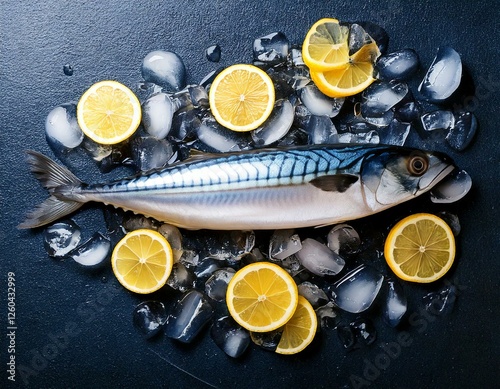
pixel 335 182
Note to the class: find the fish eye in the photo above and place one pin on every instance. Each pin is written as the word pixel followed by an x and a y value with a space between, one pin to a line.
pixel 417 164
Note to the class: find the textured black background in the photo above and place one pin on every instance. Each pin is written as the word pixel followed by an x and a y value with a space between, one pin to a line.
pixel 108 40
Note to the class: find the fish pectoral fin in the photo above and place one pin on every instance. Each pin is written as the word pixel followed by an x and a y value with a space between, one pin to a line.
pixel 335 182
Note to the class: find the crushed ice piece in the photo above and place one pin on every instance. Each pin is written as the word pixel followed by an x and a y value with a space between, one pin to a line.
pixel 60 238
pixel 230 245
pixel 442 301
pixel 321 130
pixel 207 267
pixel 198 96
pixel 346 336
pixel 356 291
pixel 380 121
pixel 313 293
pixel 174 238
pixel 157 114
pixel 358 38
pixel 210 77
pixel 151 153
pixel 327 315
pixel 276 126
pixel 93 252
pixel 213 53
pixel 319 259
pixel 364 330
pixel 395 133
pixel 61 126
pixel 267 340
pixel 291 264
pixel 377 33
pixel 443 76
pixel 188 317
pixel 452 188
pixel 343 239
pixel 437 120
pixel 229 336
pixel 216 285
pixel 284 243
pixel 96 151
pixel 399 65
pixel 395 303
pixel 462 132
pixel 296 56
pixel 164 68
pixel 149 317
pixel 370 137
pixel 68 69
pixel 219 138
pixel 452 220
pixel 180 278
pixel 319 104
pixel 380 97
pixel 272 48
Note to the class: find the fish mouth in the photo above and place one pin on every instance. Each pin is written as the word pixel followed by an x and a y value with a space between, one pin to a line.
pixel 429 183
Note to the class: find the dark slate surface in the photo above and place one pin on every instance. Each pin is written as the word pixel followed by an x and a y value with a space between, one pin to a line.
pixel 107 40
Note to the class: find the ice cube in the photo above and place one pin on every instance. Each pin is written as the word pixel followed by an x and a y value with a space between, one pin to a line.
pixel 174 238
pixel 151 153
pixel 181 278
pixel 296 57
pixel 319 104
pixel 132 221
pixel 452 220
pixel 380 121
pixel 343 239
pixel 216 285
pixel 319 259
pixel 358 38
pixel 356 291
pixel 364 330
pixel 276 126
pixel 219 138
pixel 377 33
pixel 437 120
pixel 230 337
pixel 327 315
pixel 60 238
pixel 210 77
pixel 321 130
pixel 313 293
pixel 380 97
pixel 61 126
pixel 185 125
pixel 395 133
pixel 213 53
pixel 346 336
pixel 462 132
pixel 188 317
pixel 407 112
pixel 272 48
pixel 164 68
pixel 452 188
pixel 395 303
pixel 443 76
pixel 231 245
pixel 442 301
pixel 267 340
pixel 206 267
pixel 284 243
pixel 149 317
pixel 93 252
pixel 157 113
pixel 198 96
pixel 291 264
pixel 399 65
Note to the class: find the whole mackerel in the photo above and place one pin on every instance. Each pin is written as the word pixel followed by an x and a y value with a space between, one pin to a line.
pixel 259 189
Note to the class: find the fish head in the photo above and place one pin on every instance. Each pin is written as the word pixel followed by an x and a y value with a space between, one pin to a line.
pixel 394 175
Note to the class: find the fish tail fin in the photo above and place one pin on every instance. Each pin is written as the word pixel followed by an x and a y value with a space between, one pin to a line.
pixel 57 180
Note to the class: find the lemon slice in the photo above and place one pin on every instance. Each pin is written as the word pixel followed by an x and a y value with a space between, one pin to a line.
pixel 420 248
pixel 325 46
pixel 262 297
pixel 300 330
pixel 142 261
pixel 108 112
pixel 242 97
pixel 354 77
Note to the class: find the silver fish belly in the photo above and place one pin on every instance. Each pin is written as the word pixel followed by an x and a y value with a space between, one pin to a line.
pixel 263 189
